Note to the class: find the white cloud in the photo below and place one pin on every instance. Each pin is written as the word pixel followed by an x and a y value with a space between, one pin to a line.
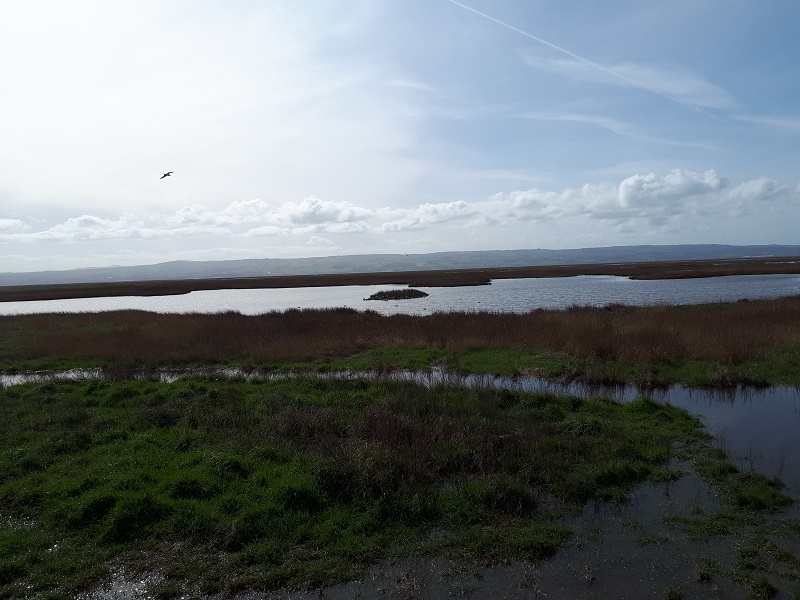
pixel 652 190
pixel 670 208
pixel 317 241
pixel 90 228
pixel 614 125
pixel 312 210
pixel 411 84
pixel 345 227
pixel 13 226
pixel 790 124
pixel 657 198
pixel 763 190
pixel 427 214
pixel 524 205
pixel 680 86
pixel 540 205
pixel 267 230
pixel 249 211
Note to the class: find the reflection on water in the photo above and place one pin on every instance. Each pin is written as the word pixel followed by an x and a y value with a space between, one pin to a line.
pixel 504 295
pixel 759 428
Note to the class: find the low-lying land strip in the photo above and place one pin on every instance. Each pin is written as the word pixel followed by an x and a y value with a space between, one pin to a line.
pixel 755 342
pixel 454 277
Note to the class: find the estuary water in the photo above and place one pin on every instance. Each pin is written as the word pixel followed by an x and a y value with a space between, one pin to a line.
pixel 503 295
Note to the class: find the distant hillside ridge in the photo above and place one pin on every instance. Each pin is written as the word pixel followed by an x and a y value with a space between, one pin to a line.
pixel 371 263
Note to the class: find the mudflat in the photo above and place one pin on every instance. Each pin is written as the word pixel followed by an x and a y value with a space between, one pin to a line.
pixel 436 278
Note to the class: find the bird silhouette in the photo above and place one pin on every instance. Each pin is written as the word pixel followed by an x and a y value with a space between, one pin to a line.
pixel 167 174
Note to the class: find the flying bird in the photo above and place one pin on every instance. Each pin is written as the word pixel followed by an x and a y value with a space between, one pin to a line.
pixel 167 174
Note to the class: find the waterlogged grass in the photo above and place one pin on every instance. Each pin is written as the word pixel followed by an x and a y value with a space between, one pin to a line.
pixel 503 362
pixel 232 485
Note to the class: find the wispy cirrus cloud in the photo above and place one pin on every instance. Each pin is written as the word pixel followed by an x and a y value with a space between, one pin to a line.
pixel 790 124
pixel 683 87
pixel 611 124
pixel 411 84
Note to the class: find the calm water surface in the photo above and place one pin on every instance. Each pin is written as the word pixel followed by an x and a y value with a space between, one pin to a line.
pixel 504 295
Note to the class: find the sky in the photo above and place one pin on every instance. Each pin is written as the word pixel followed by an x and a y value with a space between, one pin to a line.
pixel 334 127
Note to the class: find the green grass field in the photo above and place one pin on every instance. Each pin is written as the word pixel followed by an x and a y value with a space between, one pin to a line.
pixel 301 482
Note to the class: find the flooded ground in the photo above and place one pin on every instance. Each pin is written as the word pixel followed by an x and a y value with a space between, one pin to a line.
pixel 617 552
pixel 654 546
pixel 758 427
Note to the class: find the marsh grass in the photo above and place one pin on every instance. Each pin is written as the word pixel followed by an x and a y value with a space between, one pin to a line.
pixel 236 485
pixel 717 344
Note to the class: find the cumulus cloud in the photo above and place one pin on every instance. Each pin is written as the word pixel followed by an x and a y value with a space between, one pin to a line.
pixel 13 226
pixel 526 205
pixel 652 190
pixel 427 214
pixel 247 211
pixel 672 202
pixel 318 241
pixel 330 228
pixel 90 227
pixel 675 201
pixel 540 205
pixel 267 230
pixel 312 210
pixel 310 215
pixel 763 194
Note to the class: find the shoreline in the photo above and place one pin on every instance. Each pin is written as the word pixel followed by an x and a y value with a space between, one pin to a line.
pixel 437 278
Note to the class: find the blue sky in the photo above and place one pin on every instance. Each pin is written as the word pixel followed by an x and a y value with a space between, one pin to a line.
pixel 361 126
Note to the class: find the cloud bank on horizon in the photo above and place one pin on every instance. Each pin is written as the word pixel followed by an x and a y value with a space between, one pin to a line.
pixel 377 126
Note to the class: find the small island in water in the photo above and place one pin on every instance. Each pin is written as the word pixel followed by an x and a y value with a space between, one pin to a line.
pixel 405 294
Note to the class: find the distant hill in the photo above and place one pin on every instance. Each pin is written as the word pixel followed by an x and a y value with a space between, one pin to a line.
pixel 367 263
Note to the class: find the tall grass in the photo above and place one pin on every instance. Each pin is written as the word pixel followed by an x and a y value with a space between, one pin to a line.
pixel 730 333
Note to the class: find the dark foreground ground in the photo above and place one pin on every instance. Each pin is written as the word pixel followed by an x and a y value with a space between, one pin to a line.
pixel 441 278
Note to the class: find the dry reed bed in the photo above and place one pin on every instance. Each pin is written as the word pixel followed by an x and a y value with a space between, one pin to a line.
pixel 727 332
